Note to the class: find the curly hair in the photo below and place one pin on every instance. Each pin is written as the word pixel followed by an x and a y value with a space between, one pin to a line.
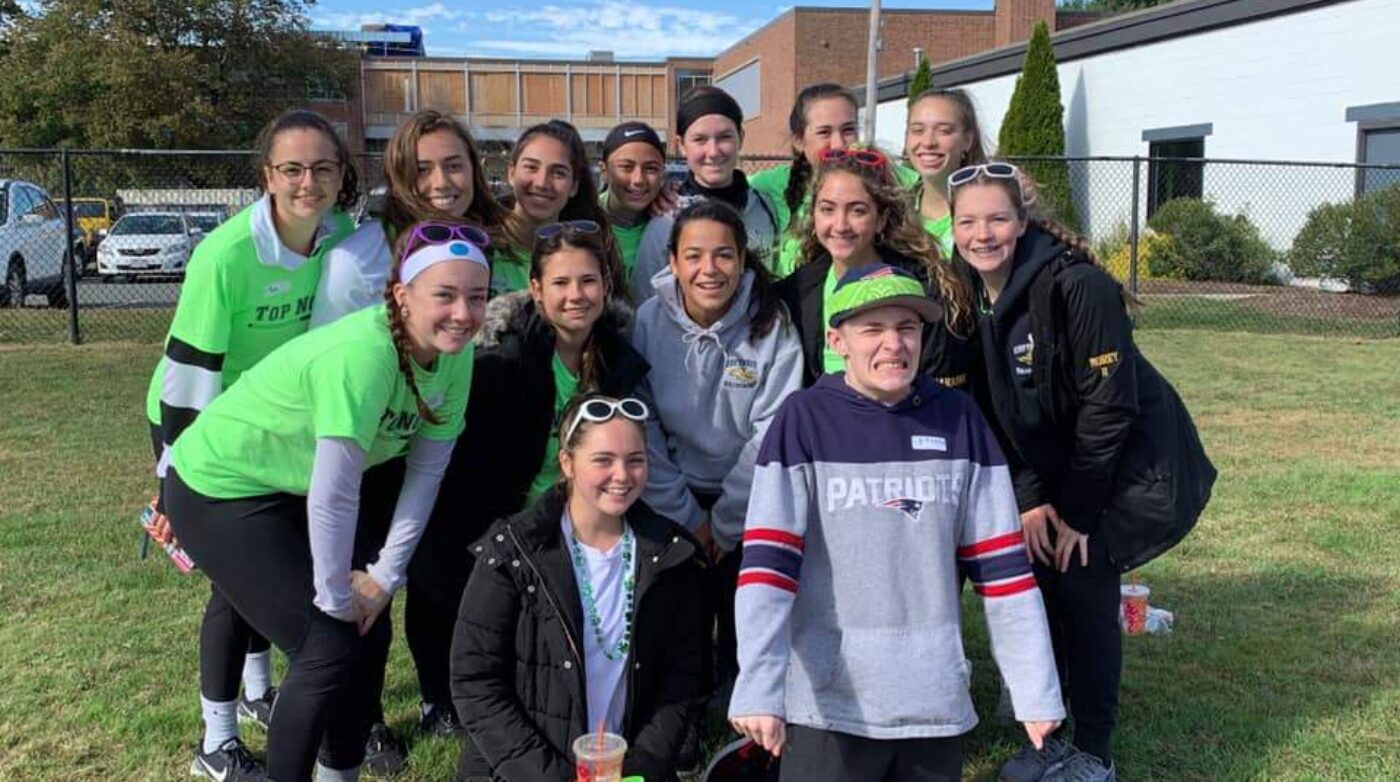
pixel 903 235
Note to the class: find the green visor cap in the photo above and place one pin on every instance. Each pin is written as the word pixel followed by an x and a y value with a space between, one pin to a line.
pixel 881 285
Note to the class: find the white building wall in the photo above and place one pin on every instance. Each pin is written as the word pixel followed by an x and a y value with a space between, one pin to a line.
pixel 1276 89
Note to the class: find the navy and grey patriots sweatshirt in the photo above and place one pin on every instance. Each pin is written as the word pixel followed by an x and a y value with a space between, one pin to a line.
pixel 860 518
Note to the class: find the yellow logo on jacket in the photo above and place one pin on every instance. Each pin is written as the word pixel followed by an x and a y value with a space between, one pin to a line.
pixel 740 373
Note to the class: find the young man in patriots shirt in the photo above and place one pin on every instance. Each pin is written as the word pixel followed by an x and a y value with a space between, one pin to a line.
pixel 874 489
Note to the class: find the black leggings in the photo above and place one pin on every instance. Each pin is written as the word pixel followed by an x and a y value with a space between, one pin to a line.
pixel 223 635
pixel 813 755
pixel 1082 606
pixel 257 553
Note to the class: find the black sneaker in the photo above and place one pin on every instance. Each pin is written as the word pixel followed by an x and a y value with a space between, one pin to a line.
pixel 258 712
pixel 231 762
pixel 384 753
pixel 437 719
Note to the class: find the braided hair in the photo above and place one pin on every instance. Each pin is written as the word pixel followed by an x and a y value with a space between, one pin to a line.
pixel 398 329
pixel 903 235
pixel 801 171
pixel 1076 242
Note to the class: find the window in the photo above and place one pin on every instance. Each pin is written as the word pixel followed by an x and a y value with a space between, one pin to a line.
pixel 1168 179
pixel 1377 143
pixel 743 84
pixel 21 202
pixel 1380 145
pixel 689 80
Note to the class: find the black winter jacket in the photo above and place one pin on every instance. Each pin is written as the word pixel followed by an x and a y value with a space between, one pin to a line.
pixel 510 414
pixel 518 678
pixel 1089 426
pixel 951 360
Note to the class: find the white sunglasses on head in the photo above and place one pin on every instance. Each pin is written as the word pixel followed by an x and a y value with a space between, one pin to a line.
pixel 601 410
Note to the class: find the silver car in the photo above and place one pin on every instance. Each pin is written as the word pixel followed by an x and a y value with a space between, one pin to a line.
pixel 148 243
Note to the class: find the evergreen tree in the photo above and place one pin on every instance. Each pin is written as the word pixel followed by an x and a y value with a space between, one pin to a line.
pixel 922 81
pixel 1034 126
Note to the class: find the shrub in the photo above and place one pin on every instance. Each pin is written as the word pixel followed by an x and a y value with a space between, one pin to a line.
pixel 1357 242
pixel 1206 245
pixel 1034 126
pixel 922 81
pixel 1119 260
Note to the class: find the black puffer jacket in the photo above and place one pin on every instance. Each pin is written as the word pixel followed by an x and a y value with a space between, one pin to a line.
pixel 953 361
pixel 510 415
pixel 517 653
pixel 1089 426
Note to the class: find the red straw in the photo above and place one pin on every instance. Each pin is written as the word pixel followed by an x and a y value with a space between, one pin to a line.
pixel 602 726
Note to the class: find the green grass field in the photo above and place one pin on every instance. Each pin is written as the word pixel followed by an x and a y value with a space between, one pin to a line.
pixel 1284 665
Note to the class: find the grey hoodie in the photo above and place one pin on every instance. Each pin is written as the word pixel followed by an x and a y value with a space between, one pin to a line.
pixel 713 394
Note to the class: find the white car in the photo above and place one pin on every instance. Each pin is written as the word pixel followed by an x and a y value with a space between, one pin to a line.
pixel 33 245
pixel 148 243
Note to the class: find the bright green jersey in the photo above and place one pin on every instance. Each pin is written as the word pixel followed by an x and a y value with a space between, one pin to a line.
pixel 510 270
pixel 565 386
pixel 773 182
pixel 627 238
pixel 341 380
pixel 831 361
pixel 941 229
pixel 234 308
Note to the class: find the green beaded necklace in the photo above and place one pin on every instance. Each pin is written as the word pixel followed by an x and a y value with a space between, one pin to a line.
pixel 590 604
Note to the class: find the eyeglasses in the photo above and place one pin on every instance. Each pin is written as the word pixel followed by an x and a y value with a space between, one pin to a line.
pixel 441 233
pixel 601 410
pixel 994 170
pixel 569 229
pixel 321 171
pixel 869 158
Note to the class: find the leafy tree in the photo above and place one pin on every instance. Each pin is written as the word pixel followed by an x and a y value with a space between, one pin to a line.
pixel 922 81
pixel 1034 126
pixel 158 73
pixel 1111 6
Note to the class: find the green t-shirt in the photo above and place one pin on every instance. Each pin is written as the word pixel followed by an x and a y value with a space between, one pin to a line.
pixel 510 271
pixel 773 182
pixel 627 239
pixel 831 361
pixel 341 380
pixel 940 229
pixel 565 386
pixel 231 304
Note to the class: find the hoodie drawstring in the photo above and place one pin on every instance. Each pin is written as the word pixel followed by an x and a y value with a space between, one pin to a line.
pixel 694 342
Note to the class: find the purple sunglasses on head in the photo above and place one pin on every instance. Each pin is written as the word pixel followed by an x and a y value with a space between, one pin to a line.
pixel 427 233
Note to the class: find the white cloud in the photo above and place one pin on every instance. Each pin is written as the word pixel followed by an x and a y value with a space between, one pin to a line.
pixel 419 15
pixel 629 30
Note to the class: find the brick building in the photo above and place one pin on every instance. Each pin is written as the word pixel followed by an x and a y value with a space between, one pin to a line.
pixel 807 45
pixel 498 98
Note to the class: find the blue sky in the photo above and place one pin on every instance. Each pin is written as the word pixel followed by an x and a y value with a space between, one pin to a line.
pixel 645 29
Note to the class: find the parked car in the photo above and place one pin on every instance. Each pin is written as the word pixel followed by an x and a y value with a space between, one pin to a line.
pixel 92 218
pixel 148 243
pixel 33 245
pixel 206 222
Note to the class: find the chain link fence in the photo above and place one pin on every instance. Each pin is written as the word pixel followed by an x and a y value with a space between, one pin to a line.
pixel 93 243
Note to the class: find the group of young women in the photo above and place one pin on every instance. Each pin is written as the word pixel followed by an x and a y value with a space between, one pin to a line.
pixel 561 480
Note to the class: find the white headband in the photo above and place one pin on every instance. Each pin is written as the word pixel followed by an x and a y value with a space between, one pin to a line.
pixel 433 254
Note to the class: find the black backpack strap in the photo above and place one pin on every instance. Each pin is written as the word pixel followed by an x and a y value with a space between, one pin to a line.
pixel 1048 327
